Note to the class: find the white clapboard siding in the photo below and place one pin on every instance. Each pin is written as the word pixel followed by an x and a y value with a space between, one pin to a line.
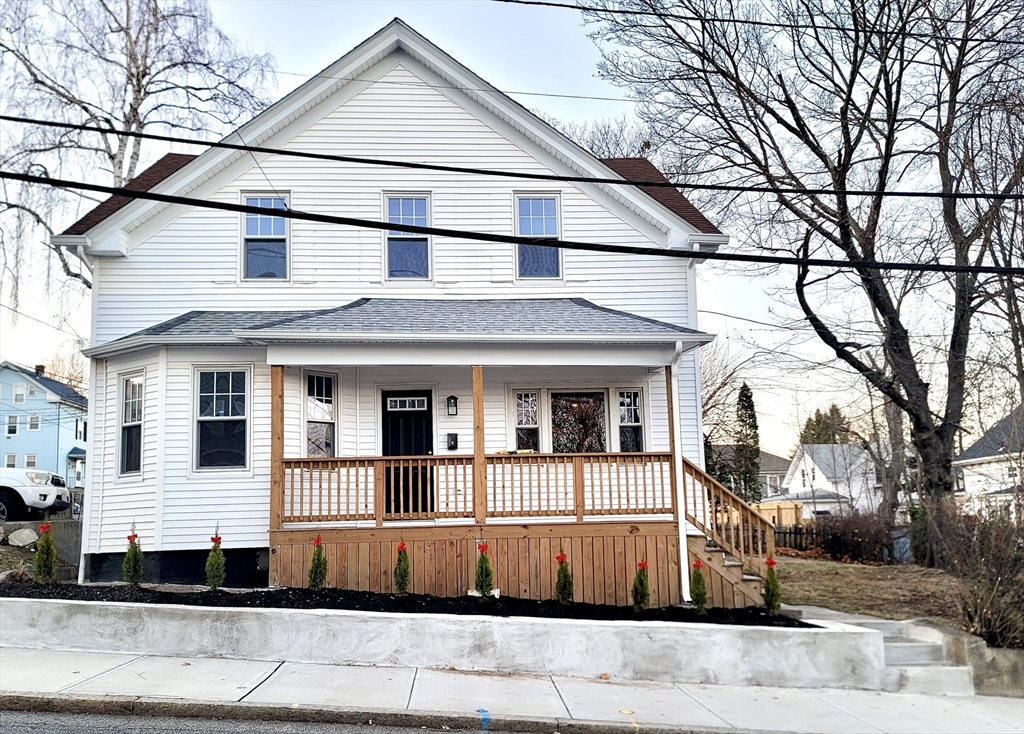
pixel 193 262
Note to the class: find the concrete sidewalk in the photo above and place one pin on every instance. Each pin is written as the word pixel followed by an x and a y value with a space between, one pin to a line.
pixel 83 682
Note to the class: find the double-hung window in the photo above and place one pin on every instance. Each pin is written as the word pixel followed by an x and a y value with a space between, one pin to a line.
pixel 320 418
pixel 10 461
pixel 221 436
pixel 537 216
pixel 631 430
pixel 131 424
pixel 527 421
pixel 12 425
pixel 33 423
pixel 408 254
pixel 30 461
pixel 19 394
pixel 266 239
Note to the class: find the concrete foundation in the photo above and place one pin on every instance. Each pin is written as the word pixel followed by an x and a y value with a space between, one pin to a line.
pixel 833 655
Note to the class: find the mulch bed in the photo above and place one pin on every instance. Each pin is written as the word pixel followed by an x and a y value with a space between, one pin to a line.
pixel 366 601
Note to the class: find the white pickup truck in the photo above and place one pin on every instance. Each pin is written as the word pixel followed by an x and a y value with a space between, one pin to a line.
pixel 25 493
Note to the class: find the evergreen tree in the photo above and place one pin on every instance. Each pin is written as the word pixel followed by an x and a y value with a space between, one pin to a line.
pixel 746 462
pixel 828 427
pixel 44 563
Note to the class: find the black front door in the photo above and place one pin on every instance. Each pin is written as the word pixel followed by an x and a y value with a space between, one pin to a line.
pixel 407 427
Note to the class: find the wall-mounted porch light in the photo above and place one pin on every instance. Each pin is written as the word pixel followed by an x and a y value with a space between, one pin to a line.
pixel 453 405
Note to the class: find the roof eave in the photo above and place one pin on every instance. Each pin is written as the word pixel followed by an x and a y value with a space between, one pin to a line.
pixel 265 336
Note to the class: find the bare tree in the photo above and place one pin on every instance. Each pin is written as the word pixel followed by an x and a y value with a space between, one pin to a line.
pixel 130 65
pixel 848 96
pixel 612 138
pixel 69 368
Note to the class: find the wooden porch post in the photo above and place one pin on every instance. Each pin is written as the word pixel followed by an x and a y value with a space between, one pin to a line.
pixel 479 463
pixel 670 395
pixel 276 466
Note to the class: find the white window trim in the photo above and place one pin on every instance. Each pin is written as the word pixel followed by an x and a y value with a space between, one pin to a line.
pixel 35 461
pixel 544 410
pixel 10 461
pixel 39 422
pixel 516 196
pixel 336 406
pixel 384 270
pixel 121 378
pixel 19 389
pixel 289 245
pixel 194 469
pixel 17 425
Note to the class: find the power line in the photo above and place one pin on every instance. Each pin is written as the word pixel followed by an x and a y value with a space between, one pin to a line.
pixel 514 239
pixel 514 174
pixel 760 23
pixel 44 323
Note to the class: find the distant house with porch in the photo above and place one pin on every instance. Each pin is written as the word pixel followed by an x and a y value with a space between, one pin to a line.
pixel 44 422
pixel 287 379
pixel 831 479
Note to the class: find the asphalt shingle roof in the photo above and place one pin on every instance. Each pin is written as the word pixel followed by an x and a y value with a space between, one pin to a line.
pixel 1005 438
pixel 835 460
pixel 63 391
pixel 641 169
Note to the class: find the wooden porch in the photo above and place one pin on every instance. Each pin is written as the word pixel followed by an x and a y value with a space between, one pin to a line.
pixel 605 511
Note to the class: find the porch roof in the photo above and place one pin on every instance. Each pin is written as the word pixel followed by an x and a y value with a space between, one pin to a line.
pixel 408 321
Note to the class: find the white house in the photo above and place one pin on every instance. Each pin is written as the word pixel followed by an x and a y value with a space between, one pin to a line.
pixel 285 378
pixel 832 479
pixel 990 469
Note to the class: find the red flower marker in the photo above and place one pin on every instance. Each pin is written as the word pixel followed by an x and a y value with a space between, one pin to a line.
pixel 642 565
pixel 133 537
pixel 698 564
pixel 560 558
pixel 44 528
pixel 770 563
pixel 317 541
pixel 482 547
pixel 215 540
pixel 401 546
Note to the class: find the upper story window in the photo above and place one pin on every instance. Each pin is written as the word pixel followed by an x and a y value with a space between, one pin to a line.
pixel 33 423
pixel 221 417
pixel 19 393
pixel 266 239
pixel 131 424
pixel 408 255
pixel 537 216
pixel 12 425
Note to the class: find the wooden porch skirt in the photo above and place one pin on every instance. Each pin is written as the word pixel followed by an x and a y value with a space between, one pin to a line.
pixel 602 555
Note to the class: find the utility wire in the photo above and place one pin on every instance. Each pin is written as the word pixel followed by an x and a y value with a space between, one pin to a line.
pixel 513 174
pixel 513 239
pixel 44 323
pixel 760 23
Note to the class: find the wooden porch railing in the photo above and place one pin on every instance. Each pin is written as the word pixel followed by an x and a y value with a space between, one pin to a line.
pixel 726 519
pixel 518 485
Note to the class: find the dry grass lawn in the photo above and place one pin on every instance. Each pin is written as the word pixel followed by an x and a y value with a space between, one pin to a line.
pixel 892 592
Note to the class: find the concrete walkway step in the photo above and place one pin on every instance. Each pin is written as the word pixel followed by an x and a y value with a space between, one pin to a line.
pixel 913 652
pixel 934 680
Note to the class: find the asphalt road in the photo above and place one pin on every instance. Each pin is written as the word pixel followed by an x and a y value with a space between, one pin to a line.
pixel 12 722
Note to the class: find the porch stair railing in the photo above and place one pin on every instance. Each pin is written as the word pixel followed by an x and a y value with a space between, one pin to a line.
pixel 727 520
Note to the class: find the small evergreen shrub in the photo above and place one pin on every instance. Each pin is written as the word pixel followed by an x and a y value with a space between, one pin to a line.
pixel 44 563
pixel 215 570
pixel 698 587
pixel 641 588
pixel 484 575
pixel 131 567
pixel 772 589
pixel 401 575
pixel 563 584
pixel 318 565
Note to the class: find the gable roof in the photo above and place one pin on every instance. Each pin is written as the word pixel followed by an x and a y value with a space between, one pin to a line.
pixel 641 169
pixel 836 460
pixel 769 463
pixel 65 392
pixel 1005 438
pixel 567 156
pixel 146 180
pixel 408 320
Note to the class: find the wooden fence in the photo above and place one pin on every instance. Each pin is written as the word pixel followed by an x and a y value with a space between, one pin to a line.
pixel 798 537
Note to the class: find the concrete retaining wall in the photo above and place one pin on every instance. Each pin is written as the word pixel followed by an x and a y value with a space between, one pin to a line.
pixel 834 655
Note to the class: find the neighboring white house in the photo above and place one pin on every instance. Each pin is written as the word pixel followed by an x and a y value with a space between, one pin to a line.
pixel 279 377
pixel 832 478
pixel 991 468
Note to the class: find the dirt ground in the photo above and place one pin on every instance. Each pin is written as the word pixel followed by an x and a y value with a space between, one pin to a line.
pixel 893 592
pixel 12 557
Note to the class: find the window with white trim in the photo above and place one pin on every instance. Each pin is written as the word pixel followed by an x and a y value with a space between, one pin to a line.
pixel 221 438
pixel 631 429
pixel 527 421
pixel 537 216
pixel 80 429
pixel 19 393
pixel 131 424
pixel 320 416
pixel 266 240
pixel 33 422
pixel 579 422
pixel 10 461
pixel 31 391
pixel 408 254
pixel 13 425
pixel 30 461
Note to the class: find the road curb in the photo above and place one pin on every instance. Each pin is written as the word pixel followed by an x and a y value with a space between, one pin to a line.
pixel 301 713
